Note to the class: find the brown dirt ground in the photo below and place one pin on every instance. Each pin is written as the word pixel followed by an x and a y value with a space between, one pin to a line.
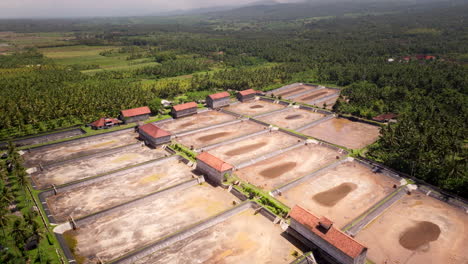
pixel 417 230
pixel 118 233
pixel 88 199
pixel 89 167
pixel 253 107
pixel 329 103
pixel 204 119
pixel 307 98
pixel 292 118
pixel 294 90
pixel 275 172
pixel 220 134
pixel 244 238
pixel 342 193
pixel 253 147
pixel 343 132
pixel 78 148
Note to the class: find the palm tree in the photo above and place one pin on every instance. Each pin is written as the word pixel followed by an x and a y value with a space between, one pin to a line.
pixel 4 219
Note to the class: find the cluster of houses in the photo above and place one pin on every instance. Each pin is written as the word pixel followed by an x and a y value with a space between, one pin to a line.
pixel 317 233
pixel 154 136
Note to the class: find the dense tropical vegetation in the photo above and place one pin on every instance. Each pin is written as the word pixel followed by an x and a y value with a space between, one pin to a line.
pixel 24 237
pixel 186 58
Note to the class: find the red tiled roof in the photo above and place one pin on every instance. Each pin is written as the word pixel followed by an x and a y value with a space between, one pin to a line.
pixel 384 117
pixel 154 131
pixel 136 111
pixel 214 162
pixel 185 106
pixel 219 95
pixel 102 121
pixel 247 92
pixel 333 236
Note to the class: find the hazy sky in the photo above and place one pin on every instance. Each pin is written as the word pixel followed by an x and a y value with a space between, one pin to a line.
pixel 74 8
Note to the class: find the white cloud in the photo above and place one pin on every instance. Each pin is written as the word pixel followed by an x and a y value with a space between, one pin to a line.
pixel 74 8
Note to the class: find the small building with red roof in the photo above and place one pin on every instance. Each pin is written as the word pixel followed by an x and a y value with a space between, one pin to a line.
pixel 218 100
pixel 153 136
pixel 320 233
pixel 212 167
pixel 105 122
pixel 246 95
pixel 135 114
pixel 182 110
pixel 388 117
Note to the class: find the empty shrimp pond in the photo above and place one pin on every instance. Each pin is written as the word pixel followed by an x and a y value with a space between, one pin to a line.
pixel 254 147
pixel 341 193
pixel 316 95
pixel 114 233
pixel 291 118
pixel 279 170
pixel 418 229
pixel 254 107
pixel 203 119
pixel 294 90
pixel 243 238
pixel 77 148
pixel 108 191
pixel 344 132
pixel 93 166
pixel 220 134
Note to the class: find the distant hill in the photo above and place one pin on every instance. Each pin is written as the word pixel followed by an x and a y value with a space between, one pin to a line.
pixel 272 10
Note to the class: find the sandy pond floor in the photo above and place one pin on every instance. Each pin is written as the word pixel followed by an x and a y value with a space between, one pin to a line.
pixel 417 230
pixel 341 194
pixel 120 232
pixel 244 238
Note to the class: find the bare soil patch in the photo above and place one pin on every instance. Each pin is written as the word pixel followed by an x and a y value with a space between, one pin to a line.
pixel 89 167
pixel 100 195
pixel 243 238
pixel 220 134
pixel 417 229
pixel 253 147
pixel 310 97
pixel 204 119
pixel 291 118
pixel 315 95
pixel 78 148
pixel 343 132
pixel 277 171
pixel 294 90
pixel 341 193
pixel 245 149
pixel 334 195
pixel 253 107
pixel 214 136
pixel 120 232
pixel 419 235
pixel 256 106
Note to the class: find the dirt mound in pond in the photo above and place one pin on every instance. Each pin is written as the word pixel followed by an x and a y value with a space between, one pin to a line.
pixel 187 124
pixel 292 117
pixel 290 92
pixel 245 149
pixel 332 196
pixel 213 136
pixel 310 97
pixel 419 235
pixel 278 170
pixel 256 106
